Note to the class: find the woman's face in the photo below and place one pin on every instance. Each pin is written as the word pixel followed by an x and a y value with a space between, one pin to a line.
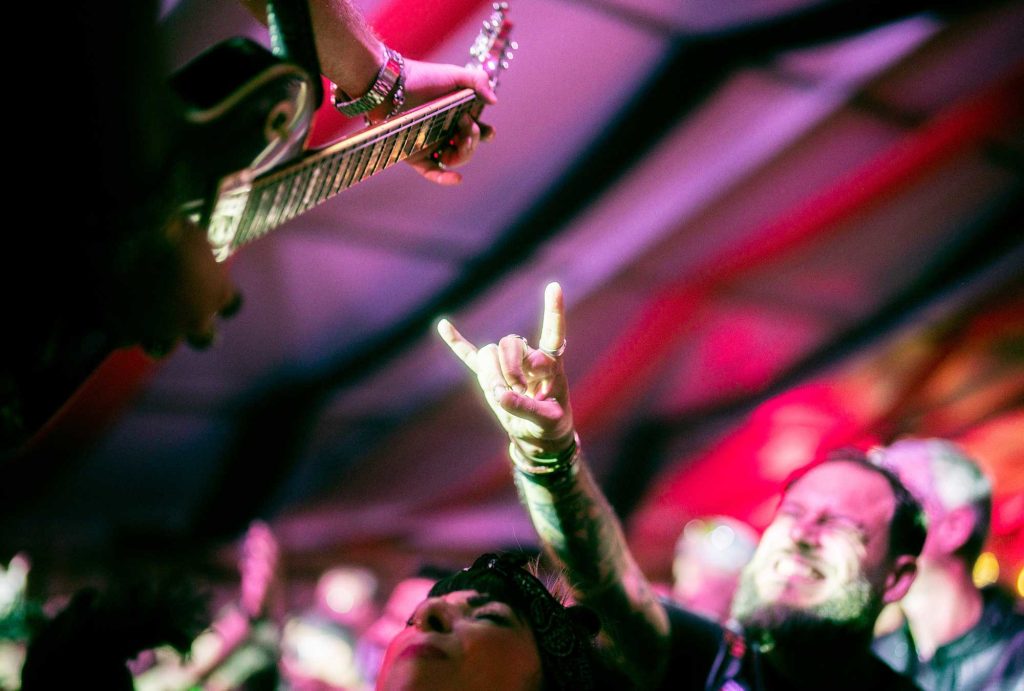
pixel 462 640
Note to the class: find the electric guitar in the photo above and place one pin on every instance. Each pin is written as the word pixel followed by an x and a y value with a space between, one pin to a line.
pixel 273 106
pixel 247 115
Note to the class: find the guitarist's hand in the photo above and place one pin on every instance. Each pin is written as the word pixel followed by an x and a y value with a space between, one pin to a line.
pixel 351 55
pixel 425 81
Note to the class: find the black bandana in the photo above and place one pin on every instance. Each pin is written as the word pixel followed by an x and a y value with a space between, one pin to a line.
pixel 564 635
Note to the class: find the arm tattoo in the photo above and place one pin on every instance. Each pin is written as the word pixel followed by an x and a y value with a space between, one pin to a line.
pixel 579 528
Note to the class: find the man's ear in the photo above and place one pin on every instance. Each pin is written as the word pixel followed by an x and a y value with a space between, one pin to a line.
pixel 900 578
pixel 953 529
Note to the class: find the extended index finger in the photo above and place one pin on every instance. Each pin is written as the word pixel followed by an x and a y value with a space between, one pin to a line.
pixel 458 343
pixel 552 330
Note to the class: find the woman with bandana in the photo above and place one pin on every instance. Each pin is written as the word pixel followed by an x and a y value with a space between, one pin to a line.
pixel 495 627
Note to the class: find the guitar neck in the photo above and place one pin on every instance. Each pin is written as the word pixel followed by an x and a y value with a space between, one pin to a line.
pixel 283 193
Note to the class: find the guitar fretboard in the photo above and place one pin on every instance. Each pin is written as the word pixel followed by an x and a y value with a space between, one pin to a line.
pixel 281 194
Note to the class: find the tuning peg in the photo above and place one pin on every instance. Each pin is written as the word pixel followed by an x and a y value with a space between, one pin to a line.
pixel 513 45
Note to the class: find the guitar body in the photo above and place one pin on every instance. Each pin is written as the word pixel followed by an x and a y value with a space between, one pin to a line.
pixel 245 111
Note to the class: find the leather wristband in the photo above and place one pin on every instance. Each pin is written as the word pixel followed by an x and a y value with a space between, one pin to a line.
pixel 389 76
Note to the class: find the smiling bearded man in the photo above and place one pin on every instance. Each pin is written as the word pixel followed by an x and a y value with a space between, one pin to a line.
pixel 825 565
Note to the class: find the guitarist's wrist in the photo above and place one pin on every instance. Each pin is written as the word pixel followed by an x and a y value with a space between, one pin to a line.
pixel 385 93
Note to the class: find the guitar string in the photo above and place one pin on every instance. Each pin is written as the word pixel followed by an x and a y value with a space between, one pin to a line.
pixel 264 211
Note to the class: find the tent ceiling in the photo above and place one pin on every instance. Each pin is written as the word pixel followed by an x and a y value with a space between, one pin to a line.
pixel 786 220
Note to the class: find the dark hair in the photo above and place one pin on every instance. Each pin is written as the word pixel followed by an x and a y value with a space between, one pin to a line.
pixel 97 632
pixel 432 572
pixel 908 526
pixel 564 635
pixel 975 543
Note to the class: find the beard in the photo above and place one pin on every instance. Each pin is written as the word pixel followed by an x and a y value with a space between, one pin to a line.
pixel 842 622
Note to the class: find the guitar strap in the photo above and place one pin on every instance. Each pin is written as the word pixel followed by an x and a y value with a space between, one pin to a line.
pixel 291 38
pixel 725 672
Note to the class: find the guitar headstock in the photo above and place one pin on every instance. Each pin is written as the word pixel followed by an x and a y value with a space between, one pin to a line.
pixel 492 49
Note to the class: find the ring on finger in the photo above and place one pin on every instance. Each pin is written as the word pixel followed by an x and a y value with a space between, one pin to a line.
pixel 556 353
pixel 526 344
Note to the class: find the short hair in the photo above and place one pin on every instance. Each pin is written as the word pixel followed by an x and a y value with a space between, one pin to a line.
pixel 908 526
pixel 955 480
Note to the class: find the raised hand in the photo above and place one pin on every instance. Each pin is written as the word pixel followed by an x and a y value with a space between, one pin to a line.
pixel 259 568
pixel 13 579
pixel 526 387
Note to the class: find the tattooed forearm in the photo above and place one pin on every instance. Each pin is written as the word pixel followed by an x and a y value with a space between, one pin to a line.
pixel 579 528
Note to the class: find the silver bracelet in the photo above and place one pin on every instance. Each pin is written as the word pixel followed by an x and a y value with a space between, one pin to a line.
pixel 391 74
pixel 398 95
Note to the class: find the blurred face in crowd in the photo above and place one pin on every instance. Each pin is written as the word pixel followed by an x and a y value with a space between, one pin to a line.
pixel 317 656
pixel 462 640
pixel 825 555
pixel 404 599
pixel 710 554
pixel 702 588
pixel 954 493
pixel 916 474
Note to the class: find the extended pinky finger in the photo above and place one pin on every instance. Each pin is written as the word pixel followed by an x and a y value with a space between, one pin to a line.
pixel 458 343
